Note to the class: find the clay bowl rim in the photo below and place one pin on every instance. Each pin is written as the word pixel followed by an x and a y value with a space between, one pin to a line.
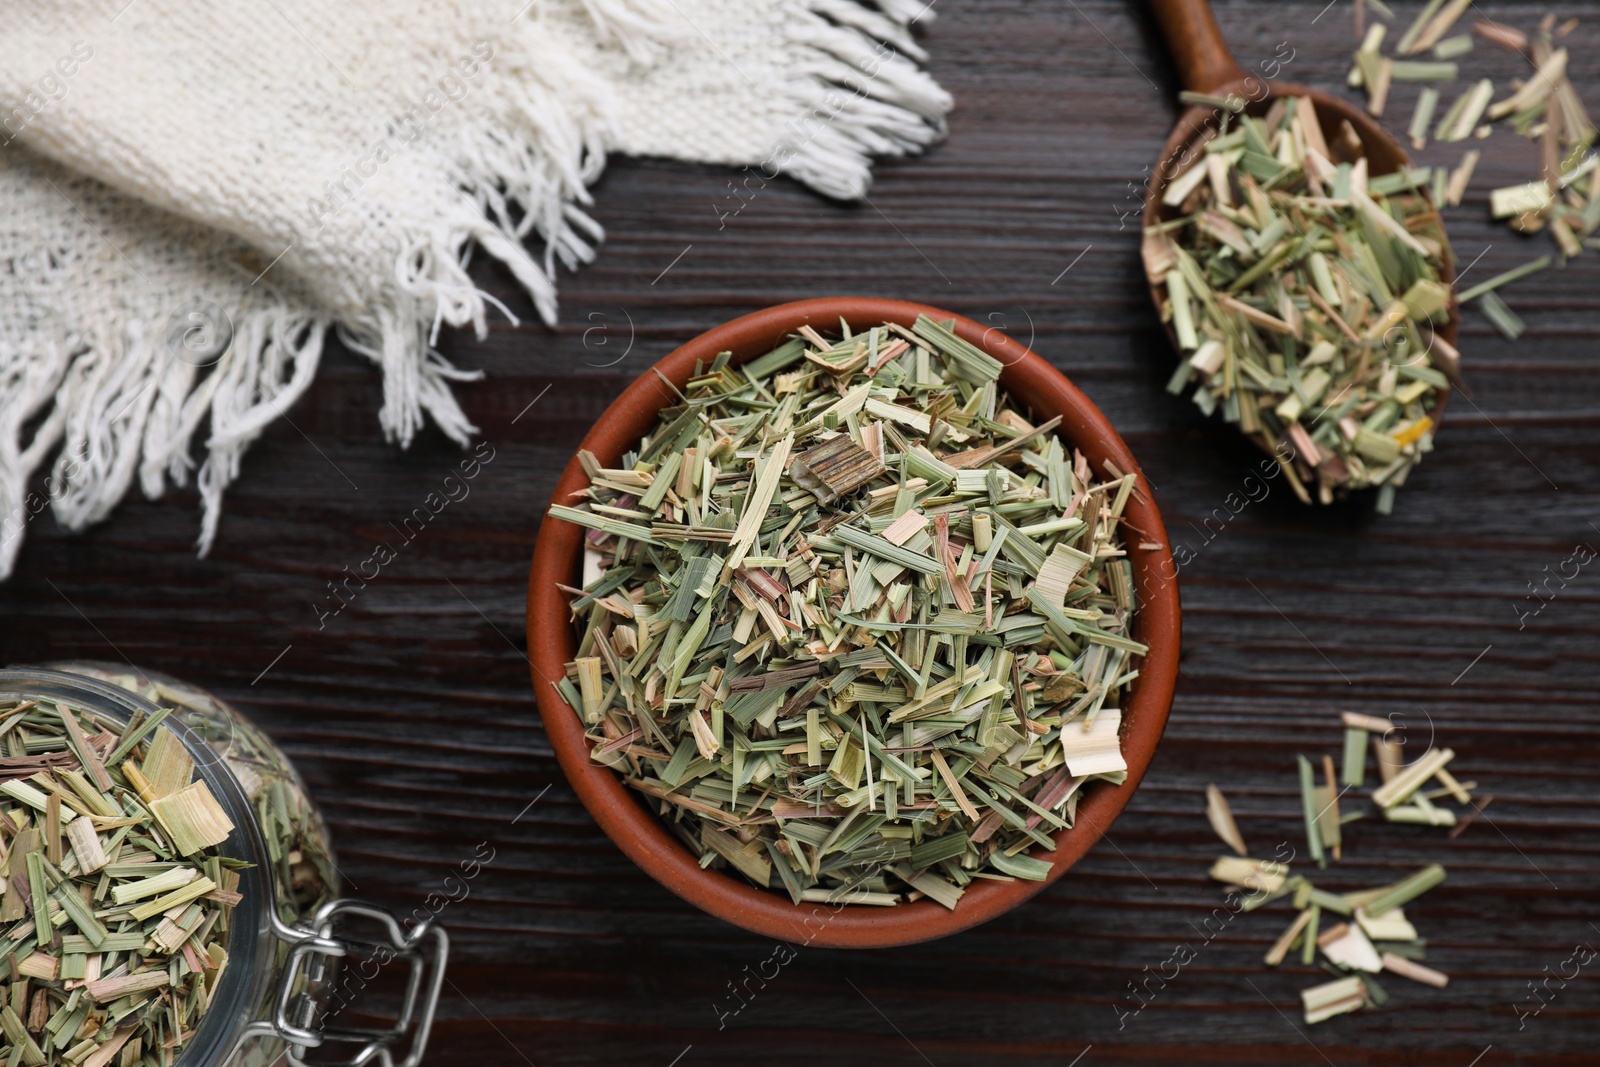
pixel 638 832
pixel 1191 126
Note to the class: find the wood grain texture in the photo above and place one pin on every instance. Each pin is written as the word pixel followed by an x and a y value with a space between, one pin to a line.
pixel 410 711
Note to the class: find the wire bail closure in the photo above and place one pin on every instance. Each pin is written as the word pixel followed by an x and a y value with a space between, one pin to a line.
pixel 297 1011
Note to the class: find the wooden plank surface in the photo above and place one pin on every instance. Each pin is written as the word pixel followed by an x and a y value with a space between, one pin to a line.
pixel 411 714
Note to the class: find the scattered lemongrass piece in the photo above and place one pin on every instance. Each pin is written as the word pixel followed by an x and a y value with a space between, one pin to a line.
pixel 1405 890
pixel 1536 89
pixel 1221 817
pixel 1462 176
pixel 1461 118
pixel 1268 876
pixel 1408 40
pixel 1500 315
pixel 1392 926
pixel 1411 777
pixel 1514 274
pixel 1280 948
pixel 1391 758
pixel 1323 1002
pixel 1415 971
pixel 1437 27
pixel 1422 117
pixel 1512 200
pixel 1423 71
pixel 1512 40
pixel 1308 802
pixel 1453 787
pixel 1328 809
pixel 1348 947
pixel 1354 764
pixel 1419 815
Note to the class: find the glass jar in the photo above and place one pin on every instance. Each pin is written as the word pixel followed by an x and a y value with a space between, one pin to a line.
pixel 291 938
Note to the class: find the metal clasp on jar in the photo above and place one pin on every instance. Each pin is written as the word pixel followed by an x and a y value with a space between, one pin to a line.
pixel 299 1015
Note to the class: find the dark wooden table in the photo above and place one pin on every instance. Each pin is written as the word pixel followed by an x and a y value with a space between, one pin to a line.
pixel 411 714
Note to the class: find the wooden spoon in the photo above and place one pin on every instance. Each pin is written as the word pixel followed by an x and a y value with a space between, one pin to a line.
pixel 1206 65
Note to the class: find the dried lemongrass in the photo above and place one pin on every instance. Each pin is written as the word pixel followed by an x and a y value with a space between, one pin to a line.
pixel 1515 274
pixel 167 766
pixel 120 945
pixel 1545 107
pixel 1417 70
pixel 1512 201
pixel 192 818
pixel 86 846
pixel 857 626
pixel 1425 35
pixel 1310 810
pixel 1391 926
pixel 1461 177
pixel 1453 47
pixel 1507 37
pixel 1390 758
pixel 1461 118
pixel 1308 308
pixel 1347 946
pixel 1280 948
pixel 1537 89
pixel 1408 40
pixel 835 468
pixel 1508 322
pixel 1415 971
pixel 1411 777
pixel 1405 890
pixel 1222 821
pixel 1355 756
pixel 1453 787
pixel 1422 117
pixel 1267 876
pixel 1341 995
pixel 1372 70
pixel 1374 932
pixel 155 885
pixel 1328 819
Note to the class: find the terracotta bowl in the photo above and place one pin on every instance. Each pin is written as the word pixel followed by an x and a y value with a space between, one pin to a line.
pixel 552 641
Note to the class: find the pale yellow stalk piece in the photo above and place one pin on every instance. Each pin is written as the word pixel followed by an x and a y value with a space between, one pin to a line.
pixel 1411 777
pixel 1221 817
pixel 1324 1001
pixel 1415 971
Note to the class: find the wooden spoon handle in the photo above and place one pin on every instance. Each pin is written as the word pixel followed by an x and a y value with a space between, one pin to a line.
pixel 1204 62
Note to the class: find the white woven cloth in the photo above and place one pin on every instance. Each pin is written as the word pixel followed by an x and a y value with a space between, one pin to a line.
pixel 192 192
